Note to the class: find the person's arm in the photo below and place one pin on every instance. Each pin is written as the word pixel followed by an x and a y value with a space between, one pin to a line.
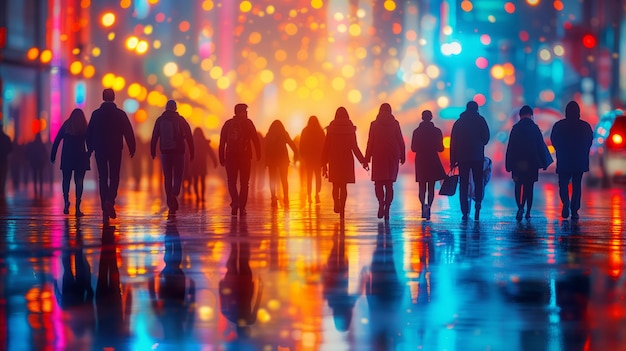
pixel 485 131
pixel 223 134
pixel 401 145
pixel 189 139
pixel 90 134
pixel 55 145
pixel 129 135
pixel 155 137
pixel 453 151
pixel 357 152
pixel 508 158
pixel 211 154
pixel 369 147
pixel 255 141
pixel 293 147
pixel 414 141
pixel 440 147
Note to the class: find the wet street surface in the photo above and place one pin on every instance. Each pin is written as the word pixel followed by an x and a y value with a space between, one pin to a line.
pixel 298 278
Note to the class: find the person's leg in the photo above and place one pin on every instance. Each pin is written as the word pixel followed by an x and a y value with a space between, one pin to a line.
pixel 564 179
pixel 336 207
pixel 388 196
pixel 380 196
pixel 431 197
pixel 232 171
pixel 178 169
pixel 519 200
pixel 115 164
pixel 528 196
pixel 343 195
pixel 577 179
pixel 102 164
pixel 244 180
pixel 308 177
pixel 272 175
pixel 79 178
pixel 168 169
pixel 65 185
pixel 464 170
pixel 421 194
pixel 479 186
pixel 202 187
pixel 283 172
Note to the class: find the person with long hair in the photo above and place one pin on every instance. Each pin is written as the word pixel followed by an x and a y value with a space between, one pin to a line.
pixel 311 143
pixel 427 143
pixel 338 154
pixel 277 159
pixel 386 149
pixel 198 166
pixel 74 156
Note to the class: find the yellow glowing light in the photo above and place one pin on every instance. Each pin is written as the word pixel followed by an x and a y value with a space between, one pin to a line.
pixel 354 30
pixel 131 42
pixel 263 315
pixel 348 71
pixel 245 6
pixel 317 95
pixel 270 9
pixel 125 4
pixel 154 98
pixel 317 4
pixel 432 71
pixel 206 64
pixel 185 109
pixel 148 29
pixel 111 36
pixel 466 5
pixel 216 72
pixel 32 54
pixel 290 84
pixel 551 149
pixel 76 67
pixel 390 5
pixel 177 80
pixel 142 94
pixel 46 56
pixel 153 2
pixel 142 47
pixel 170 68
pixel 207 5
pixel 360 53
pixel 107 80
pixel 134 89
pixel 211 121
pixel 311 82
pixel 291 29
pixel 194 93
pixel 255 38
pixel 559 50
pixel 304 93
pixel 446 142
pixel 75 51
pixel 617 139
pixel 179 49
pixel 119 83
pixel 280 55
pixel 354 96
pixel 223 83
pixel 156 44
pixel 497 72
pixel 141 115
pixel 443 101
pixel 532 2
pixel 89 71
pixel 447 30
pixel 545 54
pixel 95 52
pixel 338 83
pixel 108 19
pixel 267 76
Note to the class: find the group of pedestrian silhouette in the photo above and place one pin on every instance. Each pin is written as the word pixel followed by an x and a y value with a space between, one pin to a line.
pixel 328 152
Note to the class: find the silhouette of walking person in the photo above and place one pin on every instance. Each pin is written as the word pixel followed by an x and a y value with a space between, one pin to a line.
pixel 335 278
pixel 427 143
pixel 240 294
pixel 172 130
pixel 572 139
pixel 173 301
pixel 312 140
pixel 74 156
pixel 6 146
pixel 235 154
pixel 385 148
pixel 525 154
pixel 277 160
pixel 340 148
pixel 199 165
pixel 469 136
pixel 106 130
pixel 36 153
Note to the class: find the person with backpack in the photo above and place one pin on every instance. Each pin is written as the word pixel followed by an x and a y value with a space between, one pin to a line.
pixel 235 154
pixel 172 130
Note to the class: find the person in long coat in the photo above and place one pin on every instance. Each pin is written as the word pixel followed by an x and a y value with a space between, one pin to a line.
pixel 277 159
pixel 311 143
pixel 525 154
pixel 427 143
pixel 572 139
pixel 74 156
pixel 338 154
pixel 199 165
pixel 386 149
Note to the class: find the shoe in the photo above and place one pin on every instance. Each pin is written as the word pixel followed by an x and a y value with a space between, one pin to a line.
pixel 110 210
pixel 243 212
pixel 381 210
pixel 66 209
pixel 575 216
pixel 428 212
pixel 464 218
pixel 386 213
pixel 175 203
pixel 274 202
pixel 105 218
pixel 477 215
pixel 317 198
pixel 233 211
pixel 336 208
pixel 527 214
pixel 424 211
pixel 520 213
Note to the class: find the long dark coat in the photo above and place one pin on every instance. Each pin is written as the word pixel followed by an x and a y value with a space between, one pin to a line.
pixel 572 139
pixel 427 143
pixel 339 151
pixel 525 151
pixel 470 134
pixel 385 147
pixel 311 144
pixel 74 156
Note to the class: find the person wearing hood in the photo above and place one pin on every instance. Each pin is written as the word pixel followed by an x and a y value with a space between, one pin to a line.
pixel 386 149
pixel 525 154
pixel 107 127
pixel 427 143
pixel 340 148
pixel 572 139
pixel 173 131
pixel 470 134
pixel 235 154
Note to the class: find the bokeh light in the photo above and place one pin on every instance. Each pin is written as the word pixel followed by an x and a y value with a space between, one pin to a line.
pixel 45 56
pixel 32 54
pixel 108 19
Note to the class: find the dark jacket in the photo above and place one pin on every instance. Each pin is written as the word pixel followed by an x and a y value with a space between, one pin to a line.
pixel 525 153
pixel 276 153
pixel 74 156
pixel 242 149
pixel 338 151
pixel 385 147
pixel 311 144
pixel 183 129
pixel 107 126
pixel 203 151
pixel 5 146
pixel 469 136
pixel 427 143
pixel 572 139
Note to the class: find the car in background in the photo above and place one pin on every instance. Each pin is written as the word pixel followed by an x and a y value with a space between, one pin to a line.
pixel 607 163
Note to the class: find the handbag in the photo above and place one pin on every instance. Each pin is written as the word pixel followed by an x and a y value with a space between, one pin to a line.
pixel 450 181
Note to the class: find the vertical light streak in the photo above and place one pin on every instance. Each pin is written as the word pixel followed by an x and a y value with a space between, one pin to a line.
pixel 55 74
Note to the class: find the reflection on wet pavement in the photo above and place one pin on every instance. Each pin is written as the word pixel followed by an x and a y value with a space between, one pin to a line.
pixel 298 278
